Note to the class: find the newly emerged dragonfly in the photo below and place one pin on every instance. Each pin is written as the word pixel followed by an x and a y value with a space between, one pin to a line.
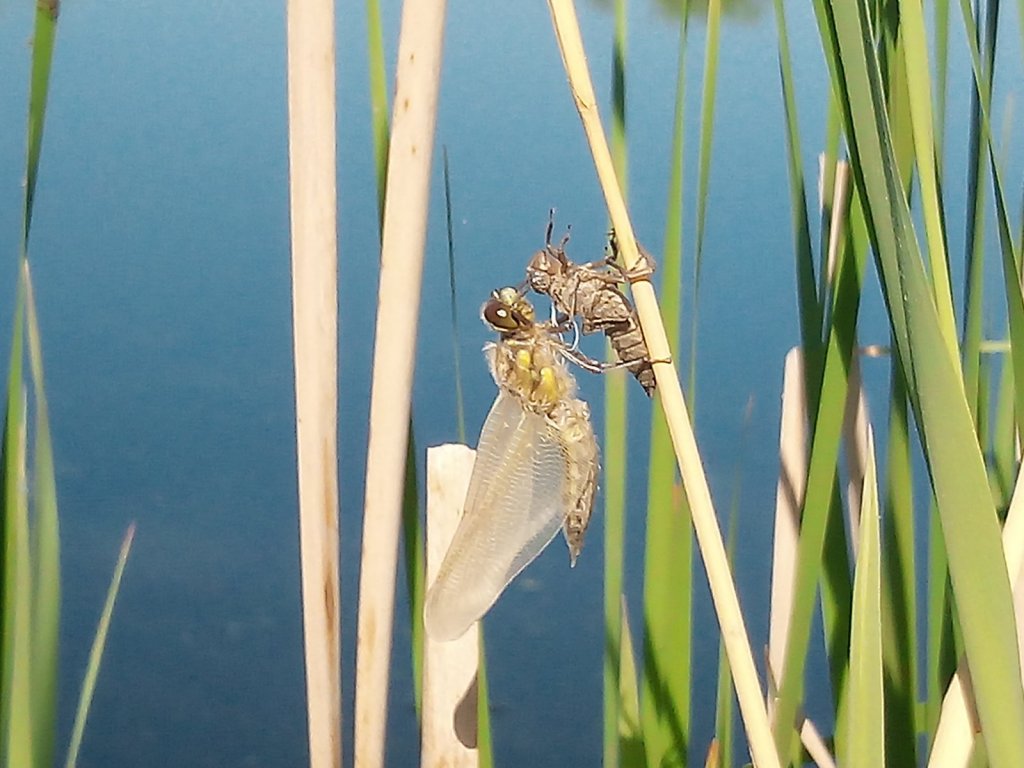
pixel 591 292
pixel 536 470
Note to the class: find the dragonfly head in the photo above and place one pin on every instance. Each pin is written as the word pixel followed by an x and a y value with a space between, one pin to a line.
pixel 545 267
pixel 507 311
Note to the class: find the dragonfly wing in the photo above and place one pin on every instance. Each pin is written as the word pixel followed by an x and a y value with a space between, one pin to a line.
pixel 514 507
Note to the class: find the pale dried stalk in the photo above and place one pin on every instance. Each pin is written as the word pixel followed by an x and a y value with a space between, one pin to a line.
pixel 401 267
pixel 810 736
pixel 312 169
pixel 789 500
pixel 705 524
pixel 856 430
pixel 449 668
pixel 837 225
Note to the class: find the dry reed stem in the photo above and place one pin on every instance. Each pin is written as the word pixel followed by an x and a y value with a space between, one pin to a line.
pixel 449 668
pixel 815 745
pixel 705 524
pixel 312 173
pixel 810 736
pixel 789 499
pixel 954 736
pixel 401 267
pixel 840 204
pixel 856 433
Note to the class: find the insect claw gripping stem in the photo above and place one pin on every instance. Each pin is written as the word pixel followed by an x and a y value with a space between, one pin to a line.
pixel 642 270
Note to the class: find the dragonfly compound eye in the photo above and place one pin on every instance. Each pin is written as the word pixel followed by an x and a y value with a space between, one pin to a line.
pixel 500 316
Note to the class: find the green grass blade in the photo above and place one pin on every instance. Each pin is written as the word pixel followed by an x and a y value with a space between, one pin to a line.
pixel 707 124
pixel 30 578
pixel 46 551
pixel 899 602
pixel 941 13
pixel 807 298
pixel 974 246
pixel 867 748
pixel 918 79
pixel 941 650
pixel 725 715
pixel 92 670
pixel 956 468
pixel 1004 458
pixel 460 411
pixel 668 563
pixel 17 738
pixel 42 58
pixel 415 574
pixel 378 100
pixel 631 744
pixel 616 425
pixel 665 687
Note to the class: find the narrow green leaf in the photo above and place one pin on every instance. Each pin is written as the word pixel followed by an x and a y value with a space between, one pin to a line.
pixel 92 670
pixel 941 648
pixel 866 711
pixel 707 124
pixel 899 603
pixel 974 246
pixel 460 411
pixel 378 100
pixel 668 561
pixel 807 299
pixel 631 744
pixel 39 86
pixel 415 573
pixel 1004 449
pixel 918 80
pixel 46 551
pixel 941 14
pixel 17 740
pixel 615 435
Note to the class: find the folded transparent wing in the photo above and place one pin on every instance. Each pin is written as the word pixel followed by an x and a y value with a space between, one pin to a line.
pixel 514 507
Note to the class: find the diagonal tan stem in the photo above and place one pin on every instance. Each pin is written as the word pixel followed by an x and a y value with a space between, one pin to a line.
pixel 417 76
pixel 705 524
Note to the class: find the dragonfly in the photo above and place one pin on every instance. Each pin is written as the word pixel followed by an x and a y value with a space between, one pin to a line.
pixel 536 469
pixel 591 292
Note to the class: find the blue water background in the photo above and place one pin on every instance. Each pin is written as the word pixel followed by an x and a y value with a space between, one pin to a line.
pixel 161 263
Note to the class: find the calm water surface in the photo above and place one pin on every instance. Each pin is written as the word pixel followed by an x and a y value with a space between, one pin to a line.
pixel 161 261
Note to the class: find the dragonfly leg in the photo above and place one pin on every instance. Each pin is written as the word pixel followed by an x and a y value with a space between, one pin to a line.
pixel 593 365
pixel 585 362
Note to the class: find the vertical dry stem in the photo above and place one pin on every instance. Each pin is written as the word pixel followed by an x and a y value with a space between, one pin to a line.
pixel 705 524
pixel 311 152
